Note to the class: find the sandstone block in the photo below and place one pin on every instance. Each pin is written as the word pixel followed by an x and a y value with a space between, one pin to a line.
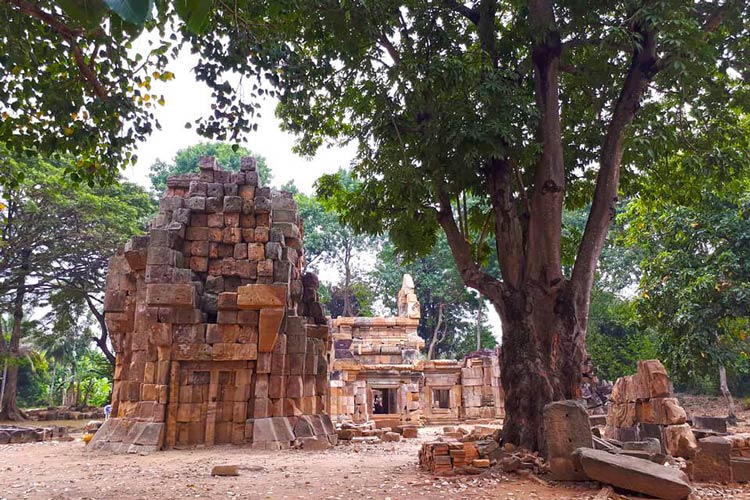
pixel 261 296
pixel 654 376
pixel 679 441
pixel 566 428
pixel 712 461
pixel 170 294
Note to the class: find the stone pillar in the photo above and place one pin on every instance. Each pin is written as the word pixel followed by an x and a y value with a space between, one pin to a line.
pixel 566 428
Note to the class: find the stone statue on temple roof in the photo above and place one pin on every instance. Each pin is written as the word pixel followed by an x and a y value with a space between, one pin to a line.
pixel 408 305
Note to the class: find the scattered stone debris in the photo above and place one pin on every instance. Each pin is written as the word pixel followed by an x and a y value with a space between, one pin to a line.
pixel 11 434
pixel 64 413
pixel 643 406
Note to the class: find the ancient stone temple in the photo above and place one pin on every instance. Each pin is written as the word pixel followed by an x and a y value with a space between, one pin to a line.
pixel 219 338
pixel 377 373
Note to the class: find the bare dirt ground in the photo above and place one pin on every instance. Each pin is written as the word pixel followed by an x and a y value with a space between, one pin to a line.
pixel 65 470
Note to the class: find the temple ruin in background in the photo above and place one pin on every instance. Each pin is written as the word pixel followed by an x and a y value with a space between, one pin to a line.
pixel 377 373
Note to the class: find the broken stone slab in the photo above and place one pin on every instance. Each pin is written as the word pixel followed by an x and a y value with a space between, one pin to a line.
pixel 657 458
pixel 651 445
pixel 633 474
pixel 566 428
pixel 603 444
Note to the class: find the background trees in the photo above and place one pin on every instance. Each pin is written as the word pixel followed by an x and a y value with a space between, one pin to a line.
pixel 56 240
pixel 449 102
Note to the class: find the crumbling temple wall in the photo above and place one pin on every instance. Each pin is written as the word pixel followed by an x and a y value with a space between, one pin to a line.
pixel 377 372
pixel 643 406
pixel 481 391
pixel 218 336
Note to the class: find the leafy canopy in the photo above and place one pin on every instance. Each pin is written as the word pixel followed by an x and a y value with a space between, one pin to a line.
pixel 428 97
pixel 78 76
pixel 695 287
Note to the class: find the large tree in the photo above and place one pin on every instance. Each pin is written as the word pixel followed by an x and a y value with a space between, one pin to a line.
pixel 56 238
pixel 525 105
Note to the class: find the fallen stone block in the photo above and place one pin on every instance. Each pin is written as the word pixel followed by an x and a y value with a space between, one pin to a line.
pixel 225 470
pixel 680 441
pixel 313 443
pixel 391 437
pixel 633 474
pixel 716 424
pixel 481 463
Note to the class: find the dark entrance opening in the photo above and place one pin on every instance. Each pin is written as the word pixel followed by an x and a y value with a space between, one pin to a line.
pixel 384 401
pixel 441 398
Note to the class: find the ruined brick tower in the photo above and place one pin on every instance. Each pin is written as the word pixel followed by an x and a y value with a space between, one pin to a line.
pixel 219 338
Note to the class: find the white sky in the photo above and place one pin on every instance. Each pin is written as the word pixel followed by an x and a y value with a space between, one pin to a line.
pixel 187 99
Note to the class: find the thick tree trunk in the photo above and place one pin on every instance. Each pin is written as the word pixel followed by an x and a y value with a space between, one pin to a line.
pixel 10 410
pixel 436 333
pixel 731 417
pixel 543 351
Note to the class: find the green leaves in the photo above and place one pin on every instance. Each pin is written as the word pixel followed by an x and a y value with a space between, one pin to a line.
pixel 195 13
pixel 134 11
pixel 87 12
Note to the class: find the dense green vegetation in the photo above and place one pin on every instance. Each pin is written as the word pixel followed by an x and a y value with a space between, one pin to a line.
pixel 186 160
pixel 56 237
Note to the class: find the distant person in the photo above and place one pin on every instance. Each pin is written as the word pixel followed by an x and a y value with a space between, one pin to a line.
pixel 378 405
pixel 107 411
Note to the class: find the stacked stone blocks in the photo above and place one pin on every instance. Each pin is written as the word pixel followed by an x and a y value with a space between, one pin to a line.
pixel 211 320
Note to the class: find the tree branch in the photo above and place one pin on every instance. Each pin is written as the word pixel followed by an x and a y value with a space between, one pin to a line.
pixel 470 272
pixel 712 23
pixel 643 67
pixel 70 35
pixel 508 234
pixel 545 223
pixel 469 13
